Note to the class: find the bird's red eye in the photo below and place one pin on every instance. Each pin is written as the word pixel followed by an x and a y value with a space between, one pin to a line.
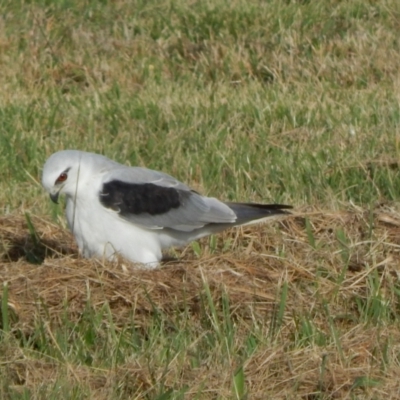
pixel 63 177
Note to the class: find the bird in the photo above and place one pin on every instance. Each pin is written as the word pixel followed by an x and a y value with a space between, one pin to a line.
pixel 113 209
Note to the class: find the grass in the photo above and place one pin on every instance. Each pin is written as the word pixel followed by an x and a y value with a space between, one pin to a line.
pixel 269 101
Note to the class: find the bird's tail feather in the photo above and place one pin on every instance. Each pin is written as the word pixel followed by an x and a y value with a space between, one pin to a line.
pixel 246 212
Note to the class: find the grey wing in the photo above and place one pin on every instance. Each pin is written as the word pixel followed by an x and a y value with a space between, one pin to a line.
pixel 156 200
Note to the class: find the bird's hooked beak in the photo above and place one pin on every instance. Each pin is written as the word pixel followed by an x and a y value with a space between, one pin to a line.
pixel 54 197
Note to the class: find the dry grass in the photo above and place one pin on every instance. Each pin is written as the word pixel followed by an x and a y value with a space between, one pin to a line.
pixel 328 260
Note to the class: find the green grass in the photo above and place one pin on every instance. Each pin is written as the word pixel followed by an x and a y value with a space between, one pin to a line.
pixel 269 101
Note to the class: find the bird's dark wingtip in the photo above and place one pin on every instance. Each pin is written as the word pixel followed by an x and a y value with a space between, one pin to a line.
pixel 258 206
pixel 246 212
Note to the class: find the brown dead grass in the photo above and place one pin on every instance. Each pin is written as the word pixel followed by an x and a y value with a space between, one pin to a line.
pixel 251 273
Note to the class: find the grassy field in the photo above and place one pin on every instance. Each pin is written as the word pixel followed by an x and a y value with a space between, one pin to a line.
pixel 295 102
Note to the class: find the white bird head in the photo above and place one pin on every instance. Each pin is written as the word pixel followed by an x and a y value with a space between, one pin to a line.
pixel 63 171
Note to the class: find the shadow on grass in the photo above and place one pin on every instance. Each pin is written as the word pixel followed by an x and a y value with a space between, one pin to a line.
pixel 21 239
pixel 34 252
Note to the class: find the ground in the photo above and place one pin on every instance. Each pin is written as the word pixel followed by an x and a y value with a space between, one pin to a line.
pixel 304 308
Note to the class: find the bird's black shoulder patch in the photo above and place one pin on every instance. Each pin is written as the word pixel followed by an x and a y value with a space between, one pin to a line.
pixel 138 198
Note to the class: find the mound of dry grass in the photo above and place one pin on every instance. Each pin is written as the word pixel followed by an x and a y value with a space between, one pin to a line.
pixel 335 336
